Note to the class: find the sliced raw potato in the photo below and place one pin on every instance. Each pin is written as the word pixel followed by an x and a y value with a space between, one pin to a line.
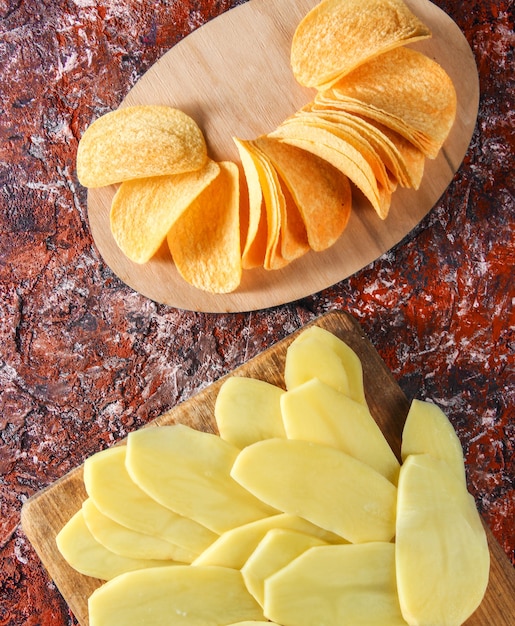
pixel 196 596
pixel 335 37
pixel 348 375
pixel 117 496
pixel 348 585
pixel 321 484
pixel 188 471
pixel 130 543
pixel 442 554
pixel 234 547
pixel 143 210
pixel 407 90
pixel 85 554
pixel 248 410
pixel 321 193
pixel 139 142
pixel 205 240
pixel 427 430
pixel 275 551
pixel 315 411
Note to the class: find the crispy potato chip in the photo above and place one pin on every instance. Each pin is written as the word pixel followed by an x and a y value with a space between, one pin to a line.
pixel 406 91
pixel 205 240
pixel 342 155
pixel 337 36
pixel 139 142
pixel 321 192
pixel 143 210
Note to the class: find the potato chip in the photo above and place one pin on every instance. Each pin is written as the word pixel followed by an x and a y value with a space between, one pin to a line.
pixel 337 36
pixel 139 142
pixel 321 192
pixel 342 155
pixel 205 240
pixel 143 210
pixel 405 90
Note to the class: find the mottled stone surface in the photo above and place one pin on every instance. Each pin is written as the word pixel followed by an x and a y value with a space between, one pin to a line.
pixel 84 359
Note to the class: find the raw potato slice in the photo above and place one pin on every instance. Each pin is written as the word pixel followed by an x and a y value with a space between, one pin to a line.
pixel 83 552
pixel 321 484
pixel 317 353
pixel 138 142
pixel 274 552
pixel 144 210
pixel 118 497
pixel 315 411
pixel 248 410
pixel 235 546
pixel 442 553
pixel 336 36
pixel 130 543
pixel 182 595
pixel 188 471
pixel 205 239
pixel 349 585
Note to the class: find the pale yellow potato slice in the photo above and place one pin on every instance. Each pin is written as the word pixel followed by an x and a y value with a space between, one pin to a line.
pixel 117 496
pixel 427 430
pixel 192 596
pixel 277 548
pixel 85 554
pixel 315 411
pixel 234 547
pixel 327 357
pixel 188 471
pixel 130 543
pixel 248 410
pixel 321 484
pixel 442 555
pixel 349 585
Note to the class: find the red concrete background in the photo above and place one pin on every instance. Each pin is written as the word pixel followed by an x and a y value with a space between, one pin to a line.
pixel 84 359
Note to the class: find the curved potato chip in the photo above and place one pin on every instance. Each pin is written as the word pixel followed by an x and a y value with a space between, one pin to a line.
pixel 139 142
pixel 205 240
pixel 338 35
pixel 321 192
pixel 405 90
pixel 143 210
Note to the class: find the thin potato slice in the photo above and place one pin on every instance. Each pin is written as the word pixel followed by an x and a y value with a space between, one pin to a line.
pixel 117 496
pixel 321 484
pixel 349 585
pixel 315 411
pixel 205 240
pixel 441 549
pixel 144 210
pixel 336 36
pixel 248 410
pixel 182 595
pixel 188 471
pixel 89 557
pixel 139 142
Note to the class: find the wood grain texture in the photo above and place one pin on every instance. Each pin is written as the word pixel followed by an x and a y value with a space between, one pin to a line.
pixel 233 77
pixel 45 513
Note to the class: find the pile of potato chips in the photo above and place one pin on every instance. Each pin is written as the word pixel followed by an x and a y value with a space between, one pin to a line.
pixel 379 110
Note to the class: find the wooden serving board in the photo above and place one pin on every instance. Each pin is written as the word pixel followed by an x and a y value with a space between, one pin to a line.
pixel 233 77
pixel 46 513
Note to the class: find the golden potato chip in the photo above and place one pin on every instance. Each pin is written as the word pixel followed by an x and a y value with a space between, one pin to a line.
pixel 342 155
pixel 205 240
pixel 321 192
pixel 405 90
pixel 337 36
pixel 143 210
pixel 139 142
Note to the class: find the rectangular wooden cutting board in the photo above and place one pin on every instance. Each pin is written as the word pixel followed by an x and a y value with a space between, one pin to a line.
pixel 45 514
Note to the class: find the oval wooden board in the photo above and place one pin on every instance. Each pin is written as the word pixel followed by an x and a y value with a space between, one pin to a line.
pixel 233 77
